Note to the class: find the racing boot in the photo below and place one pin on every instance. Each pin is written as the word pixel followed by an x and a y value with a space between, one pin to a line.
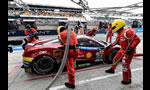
pixel 126 83
pixel 110 71
pixel 72 86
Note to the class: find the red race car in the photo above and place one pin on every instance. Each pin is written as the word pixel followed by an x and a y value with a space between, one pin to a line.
pixel 43 56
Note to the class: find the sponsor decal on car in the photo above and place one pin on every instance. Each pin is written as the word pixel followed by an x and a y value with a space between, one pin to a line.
pixel 57 53
pixel 42 52
pixel 88 48
pixel 26 64
pixel 88 55
pixel 81 56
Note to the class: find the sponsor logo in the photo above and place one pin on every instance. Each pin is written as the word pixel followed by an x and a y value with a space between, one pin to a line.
pixel 42 52
pixel 57 53
pixel 122 39
pixel 88 48
pixel 81 56
pixel 88 55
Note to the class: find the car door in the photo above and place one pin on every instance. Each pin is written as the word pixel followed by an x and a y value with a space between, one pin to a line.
pixel 88 49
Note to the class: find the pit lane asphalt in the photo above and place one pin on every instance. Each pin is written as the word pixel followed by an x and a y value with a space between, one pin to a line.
pixel 90 78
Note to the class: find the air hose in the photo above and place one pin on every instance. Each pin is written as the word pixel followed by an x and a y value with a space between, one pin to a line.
pixel 63 60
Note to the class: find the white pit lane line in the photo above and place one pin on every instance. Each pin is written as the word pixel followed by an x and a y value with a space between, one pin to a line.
pixel 93 79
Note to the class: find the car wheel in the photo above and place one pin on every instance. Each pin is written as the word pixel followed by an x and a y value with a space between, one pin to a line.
pixel 43 65
pixel 112 55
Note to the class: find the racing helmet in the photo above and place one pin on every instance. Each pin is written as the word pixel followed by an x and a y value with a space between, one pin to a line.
pixel 117 25
pixel 94 29
pixel 28 27
pixel 60 29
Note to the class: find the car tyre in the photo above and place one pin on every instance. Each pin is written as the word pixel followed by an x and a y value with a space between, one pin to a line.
pixel 43 65
pixel 112 55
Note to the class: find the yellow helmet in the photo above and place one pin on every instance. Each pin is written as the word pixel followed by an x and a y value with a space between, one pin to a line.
pixel 60 29
pixel 118 24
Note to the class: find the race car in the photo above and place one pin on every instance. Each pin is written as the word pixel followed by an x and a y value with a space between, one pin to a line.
pixel 43 56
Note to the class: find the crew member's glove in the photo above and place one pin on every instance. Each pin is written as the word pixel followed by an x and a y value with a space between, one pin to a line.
pixel 108 47
pixel 129 50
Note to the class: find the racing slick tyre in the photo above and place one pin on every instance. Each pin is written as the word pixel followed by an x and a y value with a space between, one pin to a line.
pixel 112 55
pixel 43 65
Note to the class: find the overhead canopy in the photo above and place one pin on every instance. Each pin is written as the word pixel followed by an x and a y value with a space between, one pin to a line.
pixel 99 4
pixel 55 3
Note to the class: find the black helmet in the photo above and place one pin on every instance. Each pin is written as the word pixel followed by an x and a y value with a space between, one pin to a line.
pixel 28 27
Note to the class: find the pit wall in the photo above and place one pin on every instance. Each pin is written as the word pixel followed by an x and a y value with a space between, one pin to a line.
pixel 54 32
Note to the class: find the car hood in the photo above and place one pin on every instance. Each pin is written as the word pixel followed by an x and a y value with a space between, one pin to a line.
pixel 43 44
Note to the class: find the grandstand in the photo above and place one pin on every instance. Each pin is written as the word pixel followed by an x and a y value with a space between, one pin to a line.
pixel 44 17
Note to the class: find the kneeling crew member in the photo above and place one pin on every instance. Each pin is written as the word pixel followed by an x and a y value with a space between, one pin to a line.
pixel 73 53
pixel 32 33
pixel 91 33
pixel 124 38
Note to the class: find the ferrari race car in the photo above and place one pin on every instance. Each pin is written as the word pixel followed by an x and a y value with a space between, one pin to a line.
pixel 43 56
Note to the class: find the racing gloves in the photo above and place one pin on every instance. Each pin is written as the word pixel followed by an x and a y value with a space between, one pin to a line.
pixel 129 50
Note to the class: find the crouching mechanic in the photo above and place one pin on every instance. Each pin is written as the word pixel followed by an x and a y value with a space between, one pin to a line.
pixel 92 32
pixel 32 33
pixel 124 38
pixel 73 53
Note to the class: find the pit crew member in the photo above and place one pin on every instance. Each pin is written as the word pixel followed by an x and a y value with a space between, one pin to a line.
pixel 92 32
pixel 124 38
pixel 109 34
pixel 73 53
pixel 32 33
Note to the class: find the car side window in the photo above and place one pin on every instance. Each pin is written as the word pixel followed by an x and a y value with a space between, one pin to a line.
pixel 93 43
pixel 87 43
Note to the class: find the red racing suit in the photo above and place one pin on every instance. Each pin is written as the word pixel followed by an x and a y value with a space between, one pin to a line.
pixel 90 33
pixel 33 31
pixel 124 38
pixel 109 35
pixel 72 54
